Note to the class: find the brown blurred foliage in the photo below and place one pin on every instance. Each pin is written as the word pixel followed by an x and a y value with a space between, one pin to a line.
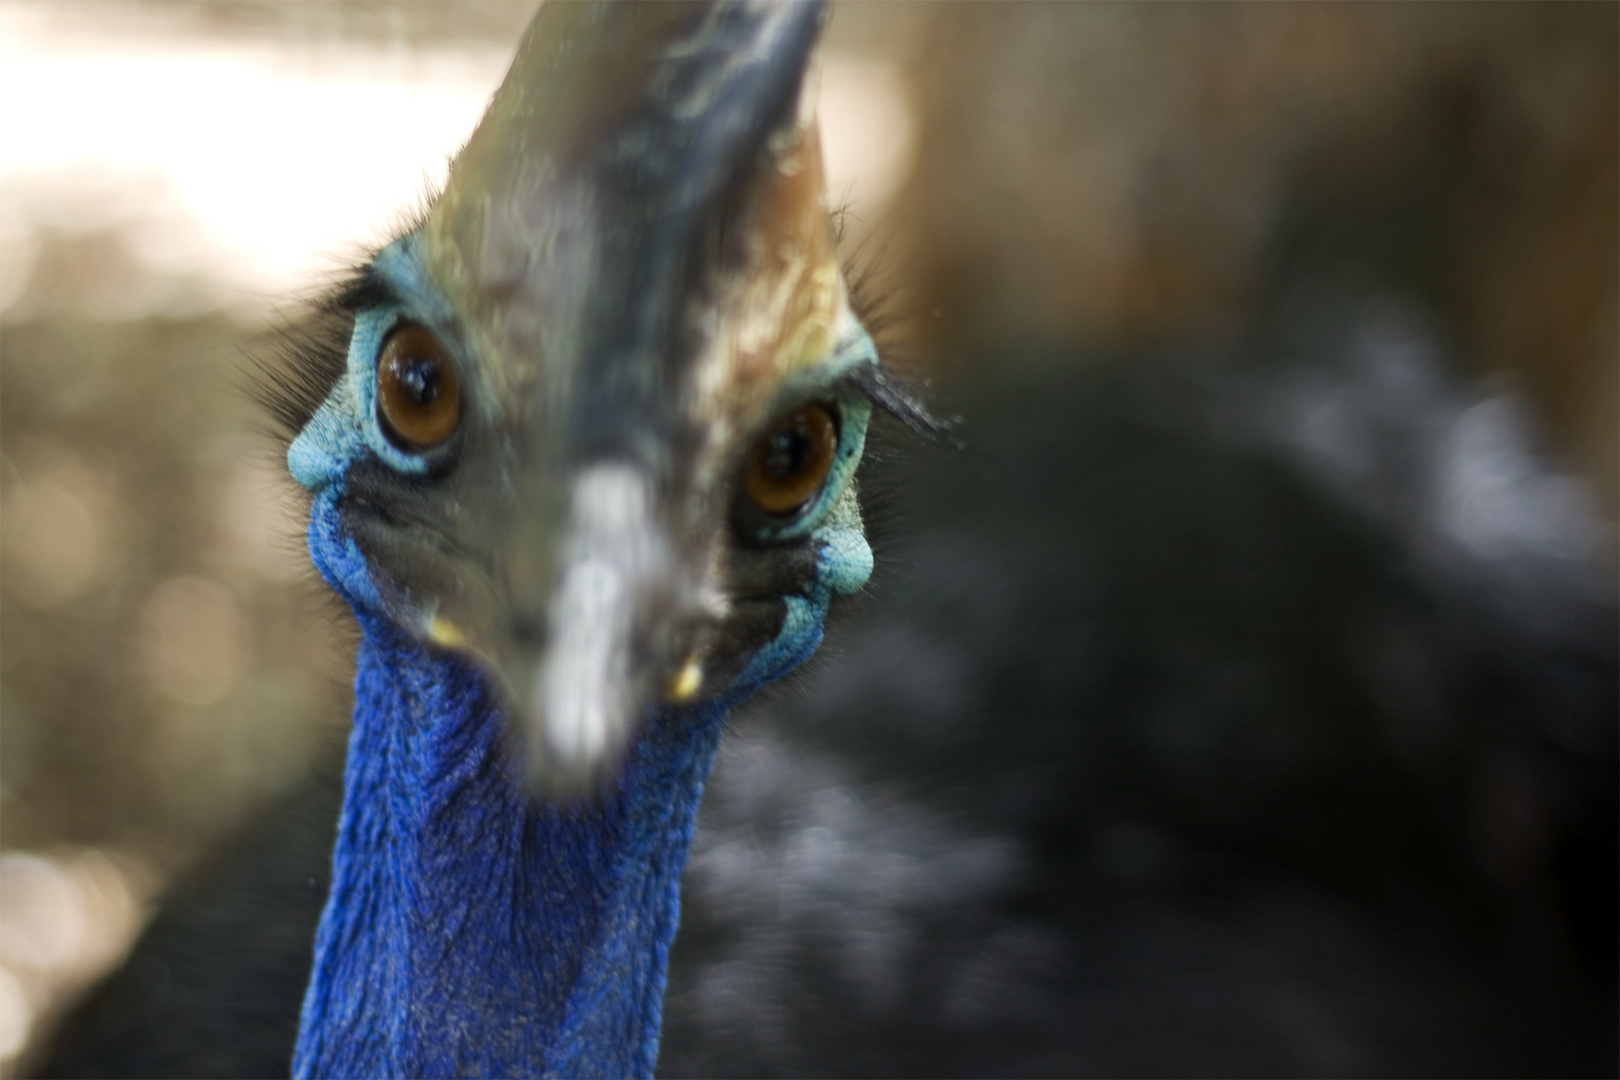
pixel 1121 175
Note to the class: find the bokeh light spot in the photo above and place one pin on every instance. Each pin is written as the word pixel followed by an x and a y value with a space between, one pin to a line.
pixel 189 643
pixel 58 526
pixel 16 1015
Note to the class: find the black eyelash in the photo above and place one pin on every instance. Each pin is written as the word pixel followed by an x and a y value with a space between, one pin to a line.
pixel 889 393
pixel 291 372
pixel 367 290
pixel 876 307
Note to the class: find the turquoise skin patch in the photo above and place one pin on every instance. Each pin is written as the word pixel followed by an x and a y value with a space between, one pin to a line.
pixel 347 420
pixel 833 522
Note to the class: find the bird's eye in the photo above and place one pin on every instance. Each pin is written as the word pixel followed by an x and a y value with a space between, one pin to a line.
pixel 789 463
pixel 418 397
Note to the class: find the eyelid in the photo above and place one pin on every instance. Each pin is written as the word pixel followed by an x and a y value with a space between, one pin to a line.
pixel 369 291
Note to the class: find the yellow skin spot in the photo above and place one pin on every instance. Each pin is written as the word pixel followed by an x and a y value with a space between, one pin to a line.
pixel 441 631
pixel 686 683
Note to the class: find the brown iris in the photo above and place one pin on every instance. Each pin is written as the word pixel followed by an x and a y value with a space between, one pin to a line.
pixel 417 393
pixel 789 462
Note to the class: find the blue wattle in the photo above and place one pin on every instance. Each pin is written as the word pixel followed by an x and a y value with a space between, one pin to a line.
pixel 472 929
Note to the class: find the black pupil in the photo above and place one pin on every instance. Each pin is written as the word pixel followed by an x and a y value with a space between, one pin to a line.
pixel 418 376
pixel 785 453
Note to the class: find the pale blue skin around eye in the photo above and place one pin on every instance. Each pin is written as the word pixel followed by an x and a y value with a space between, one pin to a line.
pixel 843 557
pixel 346 424
pixel 346 427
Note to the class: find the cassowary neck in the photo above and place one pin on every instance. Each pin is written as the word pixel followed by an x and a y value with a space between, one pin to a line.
pixel 473 930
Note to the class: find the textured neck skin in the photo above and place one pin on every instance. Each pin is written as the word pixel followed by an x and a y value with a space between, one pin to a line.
pixel 472 930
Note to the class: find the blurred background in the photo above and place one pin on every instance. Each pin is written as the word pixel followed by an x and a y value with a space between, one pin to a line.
pixel 1376 247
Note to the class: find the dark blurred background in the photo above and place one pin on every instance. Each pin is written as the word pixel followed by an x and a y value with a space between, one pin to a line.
pixel 1375 245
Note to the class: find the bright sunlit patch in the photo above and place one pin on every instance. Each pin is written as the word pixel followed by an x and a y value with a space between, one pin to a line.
pixel 251 170
pixel 867 132
pixel 283 164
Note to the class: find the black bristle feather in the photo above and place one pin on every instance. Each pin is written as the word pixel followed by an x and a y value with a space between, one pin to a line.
pixel 365 290
pixel 889 385
pixel 295 372
pixel 890 393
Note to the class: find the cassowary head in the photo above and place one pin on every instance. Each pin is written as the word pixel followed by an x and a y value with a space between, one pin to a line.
pixel 600 412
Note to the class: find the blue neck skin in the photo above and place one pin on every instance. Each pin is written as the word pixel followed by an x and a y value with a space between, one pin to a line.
pixel 472 930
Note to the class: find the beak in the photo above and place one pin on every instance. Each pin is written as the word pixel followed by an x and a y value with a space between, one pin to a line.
pixel 584 230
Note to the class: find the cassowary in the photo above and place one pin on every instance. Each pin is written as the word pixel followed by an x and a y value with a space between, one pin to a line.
pixel 1163 750
pixel 585 474
pixel 586 479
